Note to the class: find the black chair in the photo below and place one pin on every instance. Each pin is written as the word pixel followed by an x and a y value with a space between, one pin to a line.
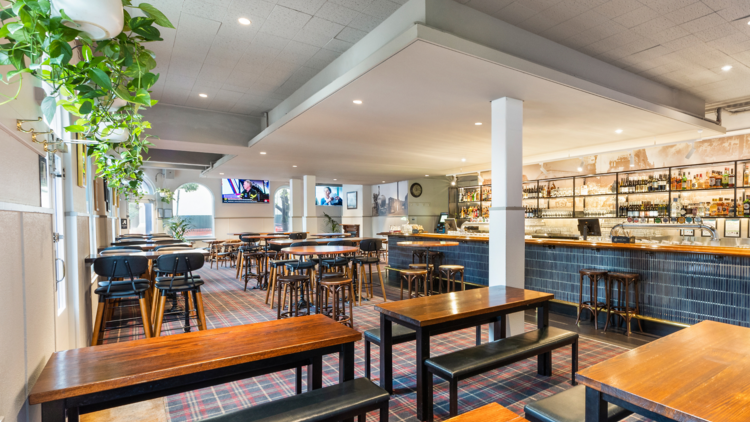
pixel 304 266
pixel 127 268
pixel 298 236
pixel 181 280
pixel 340 262
pixel 371 249
pixel 275 266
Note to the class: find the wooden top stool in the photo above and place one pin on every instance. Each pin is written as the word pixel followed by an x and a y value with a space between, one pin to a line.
pixel 593 305
pixel 341 291
pixel 621 283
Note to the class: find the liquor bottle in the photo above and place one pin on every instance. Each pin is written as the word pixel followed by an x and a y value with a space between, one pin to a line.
pixel 725 178
pixel 746 176
pixel 746 206
pixel 585 189
pixel 694 184
pixel 684 185
pixel 713 208
pixel 731 178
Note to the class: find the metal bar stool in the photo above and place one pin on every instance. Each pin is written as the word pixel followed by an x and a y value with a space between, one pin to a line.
pixel 450 273
pixel 292 284
pixel 593 304
pixel 623 282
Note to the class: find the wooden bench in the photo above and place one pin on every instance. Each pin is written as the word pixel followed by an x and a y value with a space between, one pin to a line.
pixel 335 403
pixel 568 406
pixel 476 360
pixel 492 412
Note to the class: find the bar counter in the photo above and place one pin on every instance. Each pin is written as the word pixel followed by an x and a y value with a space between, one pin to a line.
pixel 681 283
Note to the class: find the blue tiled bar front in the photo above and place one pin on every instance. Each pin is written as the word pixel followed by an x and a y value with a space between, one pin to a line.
pixel 679 284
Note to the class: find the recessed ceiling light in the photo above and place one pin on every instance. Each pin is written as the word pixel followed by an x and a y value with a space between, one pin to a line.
pixel 426 175
pixel 244 21
pixel 463 159
pixel 357 101
pixel 262 153
pixel 727 68
pixel 335 180
pixel 203 95
pixel 478 124
pixel 618 131
pixel 294 166
pixel 383 181
pixel 221 174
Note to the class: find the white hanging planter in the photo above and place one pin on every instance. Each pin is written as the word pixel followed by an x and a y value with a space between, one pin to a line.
pixel 100 19
pixel 116 136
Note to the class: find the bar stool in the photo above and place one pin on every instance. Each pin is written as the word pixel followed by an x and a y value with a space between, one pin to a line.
pixel 304 266
pixel 120 267
pixel 276 266
pixel 371 249
pixel 450 272
pixel 292 284
pixel 341 291
pixel 593 304
pixel 183 264
pixel 250 243
pixel 623 282
pixel 420 266
pixel 412 278
pixel 259 258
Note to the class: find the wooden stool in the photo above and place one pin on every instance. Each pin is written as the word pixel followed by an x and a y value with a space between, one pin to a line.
pixel 293 284
pixel 337 288
pixel 412 278
pixel 593 304
pixel 623 281
pixel 450 272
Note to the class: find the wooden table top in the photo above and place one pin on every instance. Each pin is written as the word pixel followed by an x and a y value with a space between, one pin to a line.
pixel 263 233
pixel 71 373
pixel 332 234
pixel 699 373
pixel 427 244
pixel 320 250
pixel 431 310
pixel 492 412
pixel 284 242
pixel 152 255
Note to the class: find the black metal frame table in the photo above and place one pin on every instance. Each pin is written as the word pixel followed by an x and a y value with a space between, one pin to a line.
pixel 63 394
pixel 439 314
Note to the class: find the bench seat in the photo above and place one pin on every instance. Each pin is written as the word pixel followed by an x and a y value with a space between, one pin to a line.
pixel 568 406
pixel 476 360
pixel 333 403
pixel 399 334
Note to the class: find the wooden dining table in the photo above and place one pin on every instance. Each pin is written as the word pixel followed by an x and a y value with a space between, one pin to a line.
pixel 439 314
pixel 332 234
pixel 700 373
pixel 90 379
pixel 151 255
pixel 288 242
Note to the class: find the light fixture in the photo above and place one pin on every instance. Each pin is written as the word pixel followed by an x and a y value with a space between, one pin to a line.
pixel 543 170
pixel 463 159
pixel 632 158
pixel 383 181
pixel 262 153
pixel 294 166
pixel 580 166
pixel 426 175
pixel 691 151
pixel 203 95
pixel 478 124
pixel 453 182
pixel 335 180
pixel 244 21
pixel 727 68
pixel 618 131
pixel 221 174
pixel 358 102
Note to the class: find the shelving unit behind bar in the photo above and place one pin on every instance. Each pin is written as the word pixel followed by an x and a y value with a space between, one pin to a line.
pixel 604 201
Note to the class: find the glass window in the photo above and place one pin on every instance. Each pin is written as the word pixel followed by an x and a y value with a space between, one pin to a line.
pixel 195 203
pixel 281 213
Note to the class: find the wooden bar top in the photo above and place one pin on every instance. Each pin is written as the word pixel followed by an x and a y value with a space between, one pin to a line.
pixel 431 310
pixel 75 372
pixel 699 373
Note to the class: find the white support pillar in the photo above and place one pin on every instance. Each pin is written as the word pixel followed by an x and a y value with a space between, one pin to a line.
pixel 310 217
pixel 296 204
pixel 507 248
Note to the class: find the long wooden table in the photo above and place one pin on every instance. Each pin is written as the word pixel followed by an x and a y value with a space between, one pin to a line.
pixel 699 373
pixel 323 241
pixel 90 379
pixel 439 314
pixel 151 255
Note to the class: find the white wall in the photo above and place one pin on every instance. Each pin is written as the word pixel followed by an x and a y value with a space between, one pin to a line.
pixel 361 214
pixel 423 210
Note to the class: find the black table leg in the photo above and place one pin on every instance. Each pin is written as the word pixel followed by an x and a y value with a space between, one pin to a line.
pixel 424 377
pixel 298 380
pixel 73 414
pixel 544 366
pixel 428 279
pixel 53 411
pixel 346 362
pixel 386 354
pixel 596 407
pixel 315 373
pixel 479 335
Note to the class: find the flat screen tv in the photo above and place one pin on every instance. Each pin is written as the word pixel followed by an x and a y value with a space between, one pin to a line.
pixel 245 191
pixel 328 195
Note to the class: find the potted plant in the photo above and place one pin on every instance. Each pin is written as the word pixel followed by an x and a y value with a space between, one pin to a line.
pixel 333 224
pixel 177 227
pixel 104 87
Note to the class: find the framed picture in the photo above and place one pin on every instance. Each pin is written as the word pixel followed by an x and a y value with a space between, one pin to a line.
pixel 81 164
pixel 43 182
pixel 687 232
pixel 167 213
pixel 732 227
pixel 160 212
pixel 711 222
pixel 351 200
pixel 124 223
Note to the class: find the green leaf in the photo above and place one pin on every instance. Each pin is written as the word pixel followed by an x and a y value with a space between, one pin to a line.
pixel 100 78
pixel 148 32
pixel 18 5
pixel 126 3
pixel 14 27
pixel 156 15
pixel 140 22
pixel 44 6
pixel 86 107
pixel 67 18
pixel 87 53
pixel 17 60
pixel 13 73
pixel 75 128
pixel 4 59
pixel 6 14
pixel 49 106
pixel 143 97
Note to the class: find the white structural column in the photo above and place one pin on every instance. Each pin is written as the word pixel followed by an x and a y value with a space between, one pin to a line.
pixel 296 206
pixel 507 247
pixel 309 218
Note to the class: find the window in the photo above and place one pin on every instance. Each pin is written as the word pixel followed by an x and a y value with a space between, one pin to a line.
pixel 195 203
pixel 281 218
pixel 141 214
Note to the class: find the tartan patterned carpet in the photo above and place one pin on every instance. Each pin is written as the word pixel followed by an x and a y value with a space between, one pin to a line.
pixel 226 304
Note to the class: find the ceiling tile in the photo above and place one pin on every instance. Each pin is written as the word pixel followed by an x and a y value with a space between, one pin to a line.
pixel 515 13
pixel 636 17
pixel 667 6
pixel 269 41
pixel 323 27
pixel 732 44
pixel 279 29
pixel 703 23
pixel 336 13
pixel 615 8
pixel 184 67
pixel 203 9
pixel 669 34
pixel 737 10
pixel 351 35
pixel 322 58
pixel 539 23
pixel 365 22
pixel 381 8
pixel 689 13
pixel 358 5
pixel 487 6
pixel 260 8
pixel 716 32
pixel 312 38
pixel 338 45
pixel 197 26
pixel 288 17
pixel 305 6
pixel 288 88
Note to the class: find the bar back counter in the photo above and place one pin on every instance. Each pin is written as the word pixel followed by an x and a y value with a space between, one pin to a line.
pixel 680 284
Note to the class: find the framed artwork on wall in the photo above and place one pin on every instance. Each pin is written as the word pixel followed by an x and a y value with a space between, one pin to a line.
pixel 351 200
pixel 732 227
pixel 167 213
pixel 160 212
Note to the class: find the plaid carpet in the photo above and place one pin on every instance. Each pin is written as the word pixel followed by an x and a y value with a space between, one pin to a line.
pixel 226 304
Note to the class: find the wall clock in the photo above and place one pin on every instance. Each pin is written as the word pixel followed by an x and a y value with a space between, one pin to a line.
pixel 416 190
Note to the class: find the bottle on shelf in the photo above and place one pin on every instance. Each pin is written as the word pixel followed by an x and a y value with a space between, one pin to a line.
pixel 731 179
pixel 725 178
pixel 746 176
pixel 746 206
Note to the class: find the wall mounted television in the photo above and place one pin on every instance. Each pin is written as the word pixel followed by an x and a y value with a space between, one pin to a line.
pixel 245 191
pixel 328 195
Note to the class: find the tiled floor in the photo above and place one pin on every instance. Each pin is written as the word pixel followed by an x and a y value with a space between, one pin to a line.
pixel 227 304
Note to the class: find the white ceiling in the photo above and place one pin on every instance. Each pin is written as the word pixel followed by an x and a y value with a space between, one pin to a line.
pixel 250 69
pixel 418 117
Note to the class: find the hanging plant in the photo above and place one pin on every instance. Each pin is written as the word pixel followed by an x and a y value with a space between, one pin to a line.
pixel 166 195
pixel 104 89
